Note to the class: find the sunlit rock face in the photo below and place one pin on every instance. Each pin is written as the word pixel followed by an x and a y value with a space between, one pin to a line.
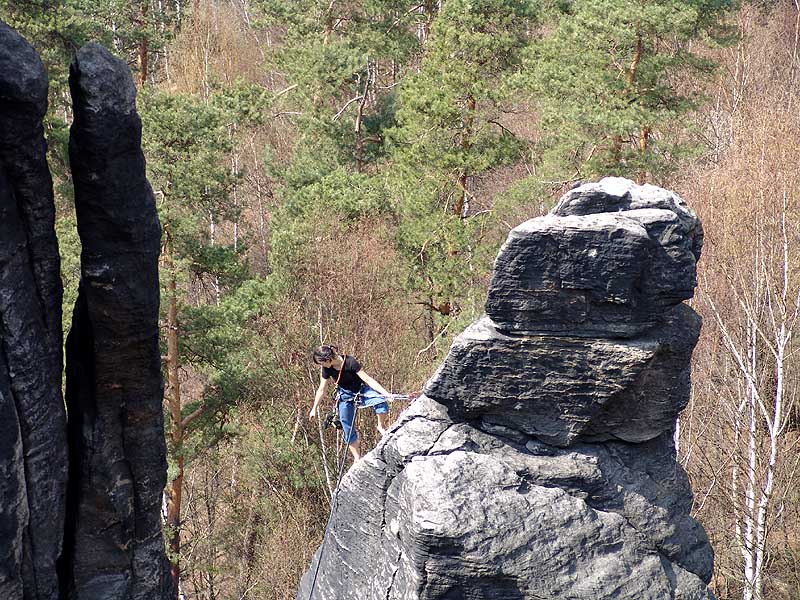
pixel 80 489
pixel 540 462
pixel 607 261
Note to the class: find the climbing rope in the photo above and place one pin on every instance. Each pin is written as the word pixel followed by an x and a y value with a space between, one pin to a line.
pixel 334 504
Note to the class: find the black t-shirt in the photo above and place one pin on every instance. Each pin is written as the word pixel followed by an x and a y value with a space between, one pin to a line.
pixel 349 380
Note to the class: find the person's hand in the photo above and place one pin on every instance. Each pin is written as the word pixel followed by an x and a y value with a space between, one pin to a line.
pixel 311 414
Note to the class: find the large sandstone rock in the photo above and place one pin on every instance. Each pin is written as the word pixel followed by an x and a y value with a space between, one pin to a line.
pixel 609 260
pixel 540 464
pixel 33 452
pixel 562 389
pixel 114 391
pixel 91 530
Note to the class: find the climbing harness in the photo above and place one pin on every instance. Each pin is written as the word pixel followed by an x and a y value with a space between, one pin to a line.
pixel 333 416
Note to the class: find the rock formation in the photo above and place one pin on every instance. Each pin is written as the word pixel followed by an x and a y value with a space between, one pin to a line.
pixel 33 449
pixel 540 463
pixel 90 529
pixel 114 390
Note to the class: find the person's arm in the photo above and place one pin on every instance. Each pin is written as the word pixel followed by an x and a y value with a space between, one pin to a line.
pixel 373 384
pixel 323 383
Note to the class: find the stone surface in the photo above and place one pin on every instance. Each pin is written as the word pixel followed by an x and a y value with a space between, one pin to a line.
pixel 539 464
pixel 113 545
pixel 563 389
pixel 90 529
pixel 23 151
pixel 33 453
pixel 609 259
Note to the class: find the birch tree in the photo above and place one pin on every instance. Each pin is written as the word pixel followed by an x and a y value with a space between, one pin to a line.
pixel 757 331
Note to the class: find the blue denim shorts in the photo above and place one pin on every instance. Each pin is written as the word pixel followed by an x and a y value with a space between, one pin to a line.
pixel 349 401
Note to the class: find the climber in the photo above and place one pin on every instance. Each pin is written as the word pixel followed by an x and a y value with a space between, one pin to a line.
pixel 354 389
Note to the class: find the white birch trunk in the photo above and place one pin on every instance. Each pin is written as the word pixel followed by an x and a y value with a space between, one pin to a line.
pixel 212 229
pixel 761 357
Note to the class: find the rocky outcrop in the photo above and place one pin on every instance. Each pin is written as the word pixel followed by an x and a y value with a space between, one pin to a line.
pixel 89 529
pixel 607 261
pixel 114 545
pixel 33 452
pixel 540 462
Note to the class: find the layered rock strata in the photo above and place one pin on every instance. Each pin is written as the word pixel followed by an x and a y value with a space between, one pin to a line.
pixel 114 545
pixel 607 261
pixel 33 452
pixel 540 462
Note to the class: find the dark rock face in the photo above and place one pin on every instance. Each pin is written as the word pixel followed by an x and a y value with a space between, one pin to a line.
pixel 92 529
pixel 33 452
pixel 540 464
pixel 608 260
pixel 114 390
pixel 571 388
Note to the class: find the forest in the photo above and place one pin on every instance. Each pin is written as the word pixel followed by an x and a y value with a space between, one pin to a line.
pixel 342 171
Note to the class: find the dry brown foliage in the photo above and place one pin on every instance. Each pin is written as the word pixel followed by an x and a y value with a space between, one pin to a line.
pixel 215 45
pixel 741 193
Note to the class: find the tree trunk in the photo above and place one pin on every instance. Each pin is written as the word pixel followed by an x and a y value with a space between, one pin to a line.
pixel 175 486
pixel 428 9
pixel 430 325
pixel 143 44
pixel 637 56
pixel 251 544
pixel 616 151
pixel 644 137
pixel 462 205
pixel 630 78
pixel 359 143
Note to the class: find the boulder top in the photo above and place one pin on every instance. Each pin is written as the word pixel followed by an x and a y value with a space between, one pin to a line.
pixel 608 261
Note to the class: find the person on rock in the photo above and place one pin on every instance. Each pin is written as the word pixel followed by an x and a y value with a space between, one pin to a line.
pixel 354 389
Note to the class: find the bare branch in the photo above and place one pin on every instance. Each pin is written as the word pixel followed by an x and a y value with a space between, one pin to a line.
pixel 730 342
pixel 348 103
pixel 285 90
pixel 186 421
pixel 436 337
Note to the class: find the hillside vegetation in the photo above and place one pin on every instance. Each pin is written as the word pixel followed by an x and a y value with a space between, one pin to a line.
pixel 345 171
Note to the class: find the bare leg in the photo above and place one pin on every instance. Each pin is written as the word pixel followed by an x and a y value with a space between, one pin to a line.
pixel 382 423
pixel 354 450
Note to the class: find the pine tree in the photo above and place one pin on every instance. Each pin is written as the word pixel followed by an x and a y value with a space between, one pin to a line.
pixel 450 132
pixel 341 61
pixel 609 79
pixel 208 295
